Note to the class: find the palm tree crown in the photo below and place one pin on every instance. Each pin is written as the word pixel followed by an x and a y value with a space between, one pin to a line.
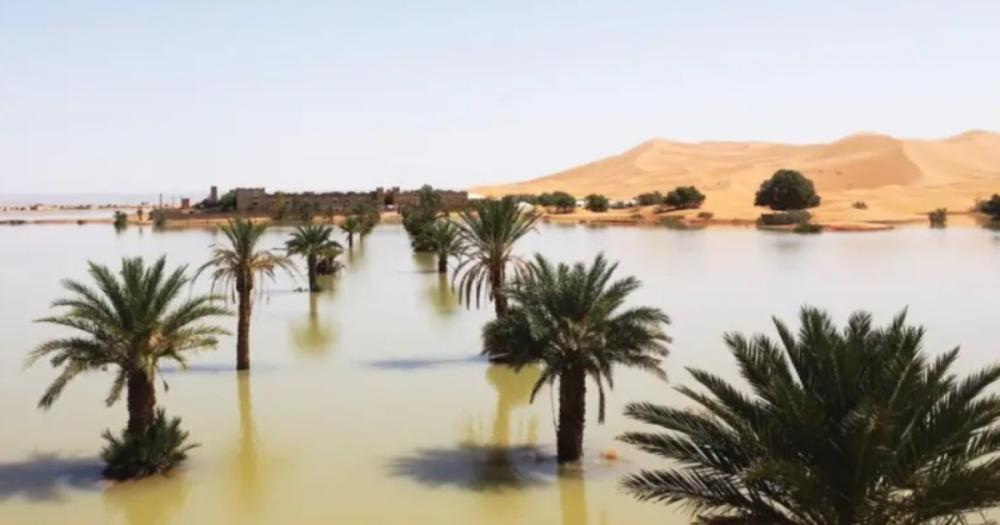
pixel 572 321
pixel 131 321
pixel 237 267
pixel 313 242
pixel 443 237
pixel 488 232
pixel 842 427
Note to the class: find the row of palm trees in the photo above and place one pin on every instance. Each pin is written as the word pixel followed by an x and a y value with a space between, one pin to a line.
pixel 840 426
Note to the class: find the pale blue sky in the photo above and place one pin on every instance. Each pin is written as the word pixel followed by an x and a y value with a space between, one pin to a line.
pixel 140 96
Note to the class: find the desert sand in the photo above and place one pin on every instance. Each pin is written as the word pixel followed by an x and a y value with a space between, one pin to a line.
pixel 900 180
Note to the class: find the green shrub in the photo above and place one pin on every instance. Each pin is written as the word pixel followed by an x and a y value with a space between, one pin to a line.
pixel 417 218
pixel 807 227
pixel 684 198
pixel 991 207
pixel 523 197
pixel 560 200
pixel 938 218
pixel 596 203
pixel 787 190
pixel 121 220
pixel 162 446
pixel 649 199
pixel 786 218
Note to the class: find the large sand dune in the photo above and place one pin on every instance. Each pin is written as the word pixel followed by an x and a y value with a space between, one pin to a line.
pixel 899 179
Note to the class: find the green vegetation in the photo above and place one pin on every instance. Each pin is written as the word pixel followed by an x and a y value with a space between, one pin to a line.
pixel 560 200
pixel 417 218
pixel 155 450
pixel 573 322
pixel 787 190
pixel 159 218
pixel 786 218
pixel 523 197
pixel 121 220
pixel 596 203
pixel 807 227
pixel 684 198
pixel 487 234
pixel 351 226
pixel 938 218
pixel 445 241
pixel 238 267
pixel 129 323
pixel 836 426
pixel 649 199
pixel 991 207
pixel 314 242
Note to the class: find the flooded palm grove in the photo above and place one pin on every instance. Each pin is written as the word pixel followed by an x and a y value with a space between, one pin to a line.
pixel 368 402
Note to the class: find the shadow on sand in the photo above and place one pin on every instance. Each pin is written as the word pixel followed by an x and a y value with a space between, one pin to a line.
pixel 45 476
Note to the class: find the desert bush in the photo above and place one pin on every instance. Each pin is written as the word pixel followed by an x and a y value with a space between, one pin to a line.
pixel 787 190
pixel 706 215
pixel 121 220
pixel 162 446
pixel 649 199
pixel 786 218
pixel 859 205
pixel 684 198
pixel 991 207
pixel 597 203
pixel 938 218
pixel 807 227
pixel 560 200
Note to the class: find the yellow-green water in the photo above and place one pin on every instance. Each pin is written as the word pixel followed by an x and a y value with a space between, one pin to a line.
pixel 367 403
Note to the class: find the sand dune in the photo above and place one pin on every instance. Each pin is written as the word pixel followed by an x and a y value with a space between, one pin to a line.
pixel 899 179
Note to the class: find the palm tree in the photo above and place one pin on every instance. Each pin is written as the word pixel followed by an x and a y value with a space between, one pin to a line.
pixel 129 322
pixel 313 242
pixel 351 226
pixel 237 267
pixel 443 237
pixel 488 233
pixel 571 321
pixel 838 426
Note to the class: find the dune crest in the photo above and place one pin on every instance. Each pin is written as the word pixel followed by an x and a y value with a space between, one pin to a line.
pixel 898 179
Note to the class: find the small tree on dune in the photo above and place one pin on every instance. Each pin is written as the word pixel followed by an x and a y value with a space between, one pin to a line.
pixel 684 198
pixel 596 203
pixel 787 190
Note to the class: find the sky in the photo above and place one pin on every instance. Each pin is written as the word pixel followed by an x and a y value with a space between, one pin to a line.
pixel 160 96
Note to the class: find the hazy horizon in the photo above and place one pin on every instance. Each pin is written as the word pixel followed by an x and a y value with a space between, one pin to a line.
pixel 115 97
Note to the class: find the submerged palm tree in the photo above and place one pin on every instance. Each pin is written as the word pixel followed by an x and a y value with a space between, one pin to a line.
pixel 313 242
pixel 571 321
pixel 351 226
pixel 237 267
pixel 488 232
pixel 128 322
pixel 443 238
pixel 842 426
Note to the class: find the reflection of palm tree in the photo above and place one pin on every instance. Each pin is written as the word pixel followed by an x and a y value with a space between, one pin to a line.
pixel 572 496
pixel 313 337
pixel 247 463
pixel 513 390
pixel 150 501
pixel 441 296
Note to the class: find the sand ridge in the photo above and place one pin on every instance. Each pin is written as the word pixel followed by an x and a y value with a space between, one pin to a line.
pixel 898 179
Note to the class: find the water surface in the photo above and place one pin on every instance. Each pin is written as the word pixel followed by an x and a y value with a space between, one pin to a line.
pixel 368 404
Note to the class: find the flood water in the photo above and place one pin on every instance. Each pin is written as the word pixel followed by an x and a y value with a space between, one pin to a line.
pixel 367 402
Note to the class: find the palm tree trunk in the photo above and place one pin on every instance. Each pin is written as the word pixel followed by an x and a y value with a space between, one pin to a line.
pixel 496 288
pixel 442 263
pixel 572 408
pixel 243 331
pixel 311 262
pixel 350 240
pixel 141 401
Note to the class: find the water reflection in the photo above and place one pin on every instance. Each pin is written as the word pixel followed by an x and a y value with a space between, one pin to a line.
pixel 442 297
pixel 45 476
pixel 425 262
pixel 151 501
pixel 572 496
pixel 247 461
pixel 487 461
pixel 313 337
